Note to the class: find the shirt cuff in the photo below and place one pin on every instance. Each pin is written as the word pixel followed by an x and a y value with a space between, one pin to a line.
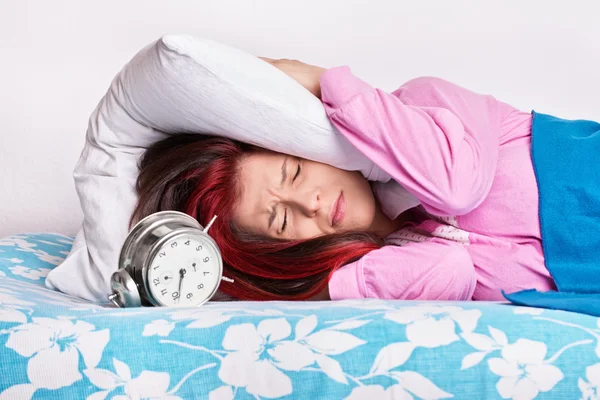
pixel 344 283
pixel 338 86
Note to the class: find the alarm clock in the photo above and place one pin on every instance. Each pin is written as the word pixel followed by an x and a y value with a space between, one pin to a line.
pixel 168 259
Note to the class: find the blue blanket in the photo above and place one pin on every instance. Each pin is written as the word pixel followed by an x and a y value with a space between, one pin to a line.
pixel 566 160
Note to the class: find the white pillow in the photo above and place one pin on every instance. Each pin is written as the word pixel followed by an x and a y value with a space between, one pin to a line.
pixel 185 84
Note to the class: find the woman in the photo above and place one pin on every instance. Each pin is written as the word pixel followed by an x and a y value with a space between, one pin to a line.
pixel 291 228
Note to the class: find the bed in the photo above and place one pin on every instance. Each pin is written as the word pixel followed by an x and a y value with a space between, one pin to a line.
pixel 56 346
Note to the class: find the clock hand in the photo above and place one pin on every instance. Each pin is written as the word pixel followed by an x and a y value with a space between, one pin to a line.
pixel 181 276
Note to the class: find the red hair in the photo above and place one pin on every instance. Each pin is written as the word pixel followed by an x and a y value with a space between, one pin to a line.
pixel 198 175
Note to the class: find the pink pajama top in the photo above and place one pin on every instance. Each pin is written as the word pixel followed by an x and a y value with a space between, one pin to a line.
pixel 466 158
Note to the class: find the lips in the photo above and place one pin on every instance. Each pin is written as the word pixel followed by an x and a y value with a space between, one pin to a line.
pixel 338 210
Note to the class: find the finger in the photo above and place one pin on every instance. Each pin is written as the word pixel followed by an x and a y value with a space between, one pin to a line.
pixel 266 59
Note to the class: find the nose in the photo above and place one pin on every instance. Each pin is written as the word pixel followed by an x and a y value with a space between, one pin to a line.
pixel 308 202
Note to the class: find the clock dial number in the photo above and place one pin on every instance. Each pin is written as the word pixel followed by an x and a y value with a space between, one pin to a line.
pixel 156 281
pixel 175 295
pixel 199 248
pixel 162 254
pixel 205 259
pixel 201 286
pixel 173 245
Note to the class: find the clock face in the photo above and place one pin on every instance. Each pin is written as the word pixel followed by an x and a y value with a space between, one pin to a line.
pixel 184 271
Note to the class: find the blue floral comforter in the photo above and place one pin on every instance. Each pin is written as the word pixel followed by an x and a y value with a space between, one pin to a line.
pixel 57 347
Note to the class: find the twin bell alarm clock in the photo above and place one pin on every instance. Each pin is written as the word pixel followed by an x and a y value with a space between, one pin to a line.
pixel 168 259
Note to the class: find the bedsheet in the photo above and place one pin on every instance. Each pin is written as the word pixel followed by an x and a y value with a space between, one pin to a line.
pixel 54 346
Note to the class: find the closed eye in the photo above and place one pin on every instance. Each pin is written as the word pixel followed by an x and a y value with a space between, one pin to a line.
pixel 284 221
pixel 297 172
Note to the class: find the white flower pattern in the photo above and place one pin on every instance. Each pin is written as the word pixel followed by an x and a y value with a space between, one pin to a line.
pixel 378 392
pixel 249 364
pixel 53 347
pixel 30 273
pixel 523 370
pixel 160 327
pixel 433 326
pixel 148 385
pixel 590 389
pixel 56 346
pixel 528 310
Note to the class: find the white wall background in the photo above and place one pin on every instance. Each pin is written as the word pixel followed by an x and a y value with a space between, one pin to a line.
pixel 58 57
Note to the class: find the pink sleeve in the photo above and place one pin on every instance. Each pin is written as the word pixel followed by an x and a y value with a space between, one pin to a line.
pixel 434 270
pixel 436 139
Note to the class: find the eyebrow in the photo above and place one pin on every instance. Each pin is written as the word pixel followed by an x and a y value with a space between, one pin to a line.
pixel 283 178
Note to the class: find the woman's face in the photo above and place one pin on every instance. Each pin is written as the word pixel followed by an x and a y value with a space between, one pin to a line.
pixel 291 198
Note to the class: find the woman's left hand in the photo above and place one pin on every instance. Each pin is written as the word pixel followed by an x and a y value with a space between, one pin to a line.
pixel 305 74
